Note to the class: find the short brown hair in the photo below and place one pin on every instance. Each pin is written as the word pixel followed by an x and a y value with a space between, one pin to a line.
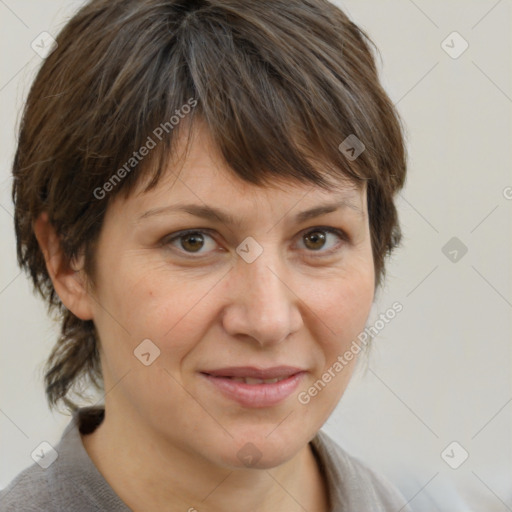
pixel 280 85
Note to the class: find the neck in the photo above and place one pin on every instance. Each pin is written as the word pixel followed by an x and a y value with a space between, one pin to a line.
pixel 155 475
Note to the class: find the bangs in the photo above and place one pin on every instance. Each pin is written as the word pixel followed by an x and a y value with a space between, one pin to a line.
pixel 270 120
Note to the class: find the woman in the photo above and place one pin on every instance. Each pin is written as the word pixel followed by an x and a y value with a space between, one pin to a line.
pixel 204 190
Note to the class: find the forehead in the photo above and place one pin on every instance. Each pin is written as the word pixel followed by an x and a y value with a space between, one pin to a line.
pixel 197 174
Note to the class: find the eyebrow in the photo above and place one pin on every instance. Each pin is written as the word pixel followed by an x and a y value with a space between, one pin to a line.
pixel 216 214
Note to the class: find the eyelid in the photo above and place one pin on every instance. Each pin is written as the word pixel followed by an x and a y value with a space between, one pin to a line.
pixel 210 232
pixel 329 229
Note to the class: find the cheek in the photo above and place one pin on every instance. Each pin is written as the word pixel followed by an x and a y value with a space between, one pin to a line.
pixel 171 309
pixel 342 305
pixel 346 291
pixel 355 301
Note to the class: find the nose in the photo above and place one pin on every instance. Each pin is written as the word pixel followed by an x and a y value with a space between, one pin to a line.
pixel 262 304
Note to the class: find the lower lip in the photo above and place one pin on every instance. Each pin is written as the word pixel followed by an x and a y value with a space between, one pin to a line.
pixel 256 395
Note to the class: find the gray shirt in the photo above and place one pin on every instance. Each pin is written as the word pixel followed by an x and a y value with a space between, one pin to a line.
pixel 73 483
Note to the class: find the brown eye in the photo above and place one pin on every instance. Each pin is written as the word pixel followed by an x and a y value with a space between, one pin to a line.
pixel 315 240
pixel 324 241
pixel 192 242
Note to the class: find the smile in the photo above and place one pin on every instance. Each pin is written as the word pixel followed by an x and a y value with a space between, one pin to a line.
pixel 255 392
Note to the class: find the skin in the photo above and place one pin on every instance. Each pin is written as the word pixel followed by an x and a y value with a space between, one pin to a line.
pixel 170 440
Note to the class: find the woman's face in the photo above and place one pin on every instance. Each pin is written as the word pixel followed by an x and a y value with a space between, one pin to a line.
pixel 269 287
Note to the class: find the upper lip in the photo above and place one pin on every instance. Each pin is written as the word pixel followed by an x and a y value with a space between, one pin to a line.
pixel 254 373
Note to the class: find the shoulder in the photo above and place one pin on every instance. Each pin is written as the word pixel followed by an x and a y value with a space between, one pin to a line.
pixel 29 491
pixel 65 478
pixel 352 483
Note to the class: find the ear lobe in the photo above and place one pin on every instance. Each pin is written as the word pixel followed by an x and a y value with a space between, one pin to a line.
pixel 67 277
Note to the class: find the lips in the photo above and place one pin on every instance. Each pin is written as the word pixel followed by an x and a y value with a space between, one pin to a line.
pixel 250 372
pixel 250 380
pixel 255 387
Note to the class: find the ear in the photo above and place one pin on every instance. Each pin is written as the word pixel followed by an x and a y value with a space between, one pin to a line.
pixel 68 278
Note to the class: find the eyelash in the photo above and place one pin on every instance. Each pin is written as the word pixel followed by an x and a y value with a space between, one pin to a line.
pixel 315 254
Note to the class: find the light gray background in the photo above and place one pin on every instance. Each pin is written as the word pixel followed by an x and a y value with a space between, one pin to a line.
pixel 441 370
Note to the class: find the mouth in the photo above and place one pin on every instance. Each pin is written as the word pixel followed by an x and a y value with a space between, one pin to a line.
pixel 251 381
pixel 255 387
pixel 251 372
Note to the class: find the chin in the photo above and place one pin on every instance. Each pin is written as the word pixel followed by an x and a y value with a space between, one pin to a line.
pixel 251 457
pixel 259 450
